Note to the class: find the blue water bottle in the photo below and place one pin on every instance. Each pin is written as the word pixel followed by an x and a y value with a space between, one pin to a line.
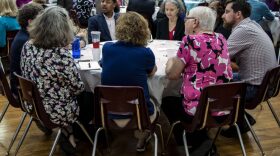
pixel 76 51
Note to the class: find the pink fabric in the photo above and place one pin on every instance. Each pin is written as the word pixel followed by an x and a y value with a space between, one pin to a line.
pixel 207 62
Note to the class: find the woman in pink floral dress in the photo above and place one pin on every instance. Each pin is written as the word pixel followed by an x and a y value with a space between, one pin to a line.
pixel 202 59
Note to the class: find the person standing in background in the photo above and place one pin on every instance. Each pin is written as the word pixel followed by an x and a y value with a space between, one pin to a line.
pixel 146 8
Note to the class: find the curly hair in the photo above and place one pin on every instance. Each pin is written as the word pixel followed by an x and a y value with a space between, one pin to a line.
pixel 133 28
pixel 8 8
pixel 51 29
pixel 28 12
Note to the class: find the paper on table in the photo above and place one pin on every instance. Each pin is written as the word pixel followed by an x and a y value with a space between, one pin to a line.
pixel 92 65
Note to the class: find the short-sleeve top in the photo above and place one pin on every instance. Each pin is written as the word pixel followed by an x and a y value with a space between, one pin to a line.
pixel 124 64
pixel 7 24
pixel 207 62
pixel 57 79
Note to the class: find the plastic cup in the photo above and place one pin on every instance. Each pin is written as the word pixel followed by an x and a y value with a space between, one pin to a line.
pixel 95 36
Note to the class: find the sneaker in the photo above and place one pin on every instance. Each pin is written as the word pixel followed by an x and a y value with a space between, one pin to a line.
pixel 43 128
pixel 143 140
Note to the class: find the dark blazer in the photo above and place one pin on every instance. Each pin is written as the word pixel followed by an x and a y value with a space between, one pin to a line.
pixel 163 29
pixel 17 44
pixel 98 23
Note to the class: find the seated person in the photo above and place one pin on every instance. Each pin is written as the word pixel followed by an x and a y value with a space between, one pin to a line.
pixel 83 10
pixel 104 22
pixel 26 14
pixel 47 62
pixel 202 59
pixel 128 62
pixel 8 21
pixel 172 26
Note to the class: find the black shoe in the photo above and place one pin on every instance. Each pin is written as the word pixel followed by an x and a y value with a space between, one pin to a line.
pixel 251 120
pixel 43 128
pixel 232 133
pixel 143 139
pixel 66 145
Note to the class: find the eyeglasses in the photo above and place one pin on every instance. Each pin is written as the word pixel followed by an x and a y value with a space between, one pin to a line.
pixel 187 18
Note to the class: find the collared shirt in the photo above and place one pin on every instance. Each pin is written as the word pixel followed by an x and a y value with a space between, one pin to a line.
pixel 253 51
pixel 111 23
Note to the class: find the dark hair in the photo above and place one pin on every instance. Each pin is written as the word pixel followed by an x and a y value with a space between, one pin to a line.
pixel 241 5
pixel 117 8
pixel 28 12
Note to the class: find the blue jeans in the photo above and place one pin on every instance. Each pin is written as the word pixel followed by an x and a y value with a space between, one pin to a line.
pixel 251 90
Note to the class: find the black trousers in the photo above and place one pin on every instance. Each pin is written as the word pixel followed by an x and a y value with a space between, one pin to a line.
pixel 174 111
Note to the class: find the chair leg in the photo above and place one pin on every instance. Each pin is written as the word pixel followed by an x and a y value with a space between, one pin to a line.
pixel 85 132
pixel 156 145
pixel 161 137
pixel 95 140
pixel 4 111
pixel 170 133
pixel 24 135
pixel 185 143
pixel 16 133
pixel 55 142
pixel 254 135
pixel 240 139
pixel 273 112
pixel 217 134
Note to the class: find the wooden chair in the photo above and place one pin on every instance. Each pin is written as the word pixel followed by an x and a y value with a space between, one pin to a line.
pixel 125 101
pixel 30 95
pixel 269 88
pixel 214 98
pixel 11 101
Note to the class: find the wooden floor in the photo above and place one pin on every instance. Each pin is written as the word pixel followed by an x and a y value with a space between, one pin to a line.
pixel 37 144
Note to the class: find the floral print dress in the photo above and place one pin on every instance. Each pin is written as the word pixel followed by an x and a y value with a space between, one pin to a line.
pixel 57 78
pixel 207 62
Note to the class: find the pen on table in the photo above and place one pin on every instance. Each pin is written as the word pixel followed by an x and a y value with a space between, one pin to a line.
pixel 89 65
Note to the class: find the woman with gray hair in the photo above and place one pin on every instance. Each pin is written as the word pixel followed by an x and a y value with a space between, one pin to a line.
pixel 171 27
pixel 203 60
pixel 46 61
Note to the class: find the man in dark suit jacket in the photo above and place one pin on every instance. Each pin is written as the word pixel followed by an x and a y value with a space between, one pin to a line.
pixel 98 22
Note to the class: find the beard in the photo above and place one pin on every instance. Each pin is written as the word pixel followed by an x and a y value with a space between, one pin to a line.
pixel 228 25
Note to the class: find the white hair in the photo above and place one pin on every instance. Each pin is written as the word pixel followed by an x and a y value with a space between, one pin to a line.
pixel 206 17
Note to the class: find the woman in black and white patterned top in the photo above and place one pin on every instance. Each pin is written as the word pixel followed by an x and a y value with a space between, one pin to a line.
pixel 83 9
pixel 45 61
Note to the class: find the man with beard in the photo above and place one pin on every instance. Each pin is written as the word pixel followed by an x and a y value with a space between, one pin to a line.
pixel 252 50
pixel 104 22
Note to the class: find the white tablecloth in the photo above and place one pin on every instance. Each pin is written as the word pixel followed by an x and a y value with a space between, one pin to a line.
pixel 159 86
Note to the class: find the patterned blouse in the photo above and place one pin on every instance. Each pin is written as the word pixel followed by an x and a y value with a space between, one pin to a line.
pixel 57 78
pixel 207 62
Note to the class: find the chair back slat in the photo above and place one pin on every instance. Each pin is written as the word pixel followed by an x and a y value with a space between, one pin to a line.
pixel 268 88
pixel 32 101
pixel 122 103
pixel 226 98
pixel 7 89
